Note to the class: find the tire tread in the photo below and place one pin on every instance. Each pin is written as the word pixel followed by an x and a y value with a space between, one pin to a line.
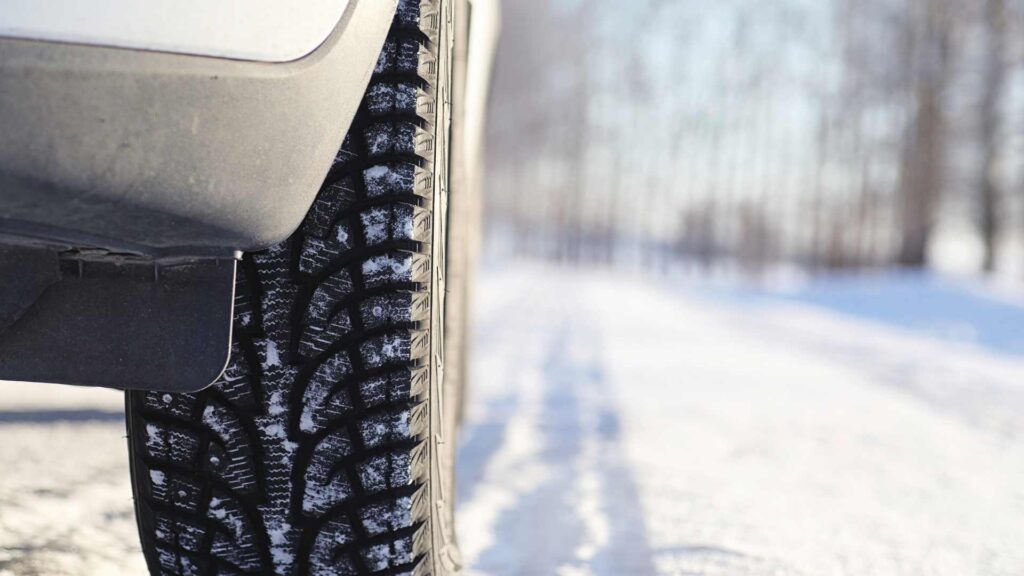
pixel 310 455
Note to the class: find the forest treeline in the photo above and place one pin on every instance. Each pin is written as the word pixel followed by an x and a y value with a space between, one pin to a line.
pixel 830 134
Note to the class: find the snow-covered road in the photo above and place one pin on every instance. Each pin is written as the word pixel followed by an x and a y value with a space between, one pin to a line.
pixel 619 427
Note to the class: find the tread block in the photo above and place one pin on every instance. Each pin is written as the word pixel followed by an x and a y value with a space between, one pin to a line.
pixel 236 381
pixel 180 533
pixel 316 340
pixel 322 400
pixel 170 442
pixel 395 386
pixel 324 323
pixel 389 516
pixel 325 558
pixel 386 428
pixel 319 252
pixel 395 268
pixel 389 138
pixel 408 14
pixel 392 179
pixel 176 563
pixel 234 462
pixel 385 471
pixel 395 98
pixel 325 485
pixel 395 348
pixel 395 222
pixel 386 557
pixel 400 55
pixel 395 308
pixel 176 405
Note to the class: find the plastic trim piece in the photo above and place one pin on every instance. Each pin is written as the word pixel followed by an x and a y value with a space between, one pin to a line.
pixel 72 317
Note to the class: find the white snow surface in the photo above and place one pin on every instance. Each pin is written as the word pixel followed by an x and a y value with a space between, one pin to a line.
pixel 620 426
pixel 65 496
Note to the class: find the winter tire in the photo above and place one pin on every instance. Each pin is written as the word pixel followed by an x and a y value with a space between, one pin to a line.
pixel 325 449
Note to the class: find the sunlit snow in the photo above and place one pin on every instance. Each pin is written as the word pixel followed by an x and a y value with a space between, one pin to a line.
pixel 627 426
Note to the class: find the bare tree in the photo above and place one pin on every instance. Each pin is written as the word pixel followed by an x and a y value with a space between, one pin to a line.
pixel 990 112
pixel 923 160
pixel 825 134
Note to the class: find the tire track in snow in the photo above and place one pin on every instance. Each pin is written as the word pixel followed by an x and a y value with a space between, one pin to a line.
pixel 498 458
pixel 762 455
pixel 554 496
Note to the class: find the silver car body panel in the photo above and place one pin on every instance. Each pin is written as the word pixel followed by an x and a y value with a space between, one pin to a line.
pixel 259 30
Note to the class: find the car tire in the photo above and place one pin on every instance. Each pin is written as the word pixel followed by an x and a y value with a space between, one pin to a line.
pixel 324 448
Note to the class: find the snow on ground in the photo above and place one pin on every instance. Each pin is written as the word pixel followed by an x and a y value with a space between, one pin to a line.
pixel 620 427
pixel 65 497
pixel 626 427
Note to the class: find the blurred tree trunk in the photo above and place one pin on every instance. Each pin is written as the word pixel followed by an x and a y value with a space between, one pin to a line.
pixel 921 178
pixel 990 110
pixel 816 253
pixel 923 161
